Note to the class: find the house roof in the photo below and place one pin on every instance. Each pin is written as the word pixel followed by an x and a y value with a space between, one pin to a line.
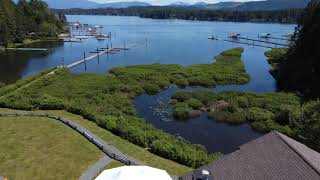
pixel 272 156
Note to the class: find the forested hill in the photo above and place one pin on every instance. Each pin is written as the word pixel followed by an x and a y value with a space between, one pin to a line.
pixel 167 12
pixel 27 20
pixel 259 5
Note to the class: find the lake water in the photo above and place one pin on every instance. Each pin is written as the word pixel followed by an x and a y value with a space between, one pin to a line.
pixel 161 41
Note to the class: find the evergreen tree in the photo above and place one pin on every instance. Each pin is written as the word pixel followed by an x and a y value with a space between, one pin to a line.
pixel 17 21
pixel 7 21
pixel 300 70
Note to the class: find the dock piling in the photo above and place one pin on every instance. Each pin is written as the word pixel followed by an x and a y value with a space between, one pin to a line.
pixel 98 55
pixel 84 59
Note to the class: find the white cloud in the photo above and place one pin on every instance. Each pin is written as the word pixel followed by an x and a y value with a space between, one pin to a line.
pixel 164 2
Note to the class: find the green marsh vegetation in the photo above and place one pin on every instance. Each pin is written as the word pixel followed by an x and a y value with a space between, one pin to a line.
pixel 295 111
pixel 227 69
pixel 264 111
pixel 107 99
pixel 5 89
pixel 284 112
pixel 275 56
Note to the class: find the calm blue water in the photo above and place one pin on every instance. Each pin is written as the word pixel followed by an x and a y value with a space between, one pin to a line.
pixel 161 41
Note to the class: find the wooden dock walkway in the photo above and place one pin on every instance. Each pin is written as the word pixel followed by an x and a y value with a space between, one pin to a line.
pixel 277 38
pixel 246 43
pixel 262 41
pixel 96 53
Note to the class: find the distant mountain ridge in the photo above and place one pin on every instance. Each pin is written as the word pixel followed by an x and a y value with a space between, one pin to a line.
pixel 266 5
pixel 224 5
pixel 229 6
pixel 122 4
pixel 179 3
pixel 259 5
pixel 86 4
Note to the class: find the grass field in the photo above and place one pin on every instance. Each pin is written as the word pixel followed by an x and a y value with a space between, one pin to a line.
pixel 113 164
pixel 126 147
pixel 41 148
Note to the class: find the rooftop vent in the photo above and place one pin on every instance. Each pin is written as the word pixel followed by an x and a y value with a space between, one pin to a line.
pixel 201 175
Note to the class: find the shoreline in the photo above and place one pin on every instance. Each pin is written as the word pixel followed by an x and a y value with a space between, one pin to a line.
pixel 199 20
pixel 30 41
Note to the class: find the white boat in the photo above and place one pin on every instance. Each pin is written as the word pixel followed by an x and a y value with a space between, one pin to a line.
pixel 212 37
pixel 234 35
pixel 265 35
pixel 102 37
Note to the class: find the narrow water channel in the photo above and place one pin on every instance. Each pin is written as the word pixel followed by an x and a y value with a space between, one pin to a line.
pixel 215 136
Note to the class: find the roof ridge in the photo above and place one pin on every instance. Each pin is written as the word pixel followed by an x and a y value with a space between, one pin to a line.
pixel 280 135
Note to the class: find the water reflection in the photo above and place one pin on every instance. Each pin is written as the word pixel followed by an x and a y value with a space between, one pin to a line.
pixel 16 64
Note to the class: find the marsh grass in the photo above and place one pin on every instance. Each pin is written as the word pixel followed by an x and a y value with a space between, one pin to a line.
pixel 265 111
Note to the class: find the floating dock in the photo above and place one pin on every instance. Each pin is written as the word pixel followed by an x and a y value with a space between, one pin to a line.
pixel 262 41
pixel 27 49
pixel 96 53
pixel 258 45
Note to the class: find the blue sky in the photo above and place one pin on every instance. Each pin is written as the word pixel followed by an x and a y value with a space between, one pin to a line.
pixel 164 2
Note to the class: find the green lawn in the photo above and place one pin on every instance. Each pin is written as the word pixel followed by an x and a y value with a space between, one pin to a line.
pixel 113 164
pixel 41 148
pixel 126 147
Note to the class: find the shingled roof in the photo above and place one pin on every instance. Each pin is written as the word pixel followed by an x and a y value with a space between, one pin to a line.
pixel 272 156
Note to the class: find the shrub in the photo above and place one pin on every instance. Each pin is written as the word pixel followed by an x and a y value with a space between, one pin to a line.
pixel 206 97
pixel 181 96
pixel 309 123
pixel 201 81
pixel 243 102
pixel 151 88
pixel 173 101
pixel 194 103
pixel 2 84
pixel 180 82
pixel 181 111
pixel 227 117
pixel 47 102
pixel 257 114
pixel 288 115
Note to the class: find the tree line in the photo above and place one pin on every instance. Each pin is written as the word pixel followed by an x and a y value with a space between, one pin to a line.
pixel 28 20
pixel 188 13
pixel 299 68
